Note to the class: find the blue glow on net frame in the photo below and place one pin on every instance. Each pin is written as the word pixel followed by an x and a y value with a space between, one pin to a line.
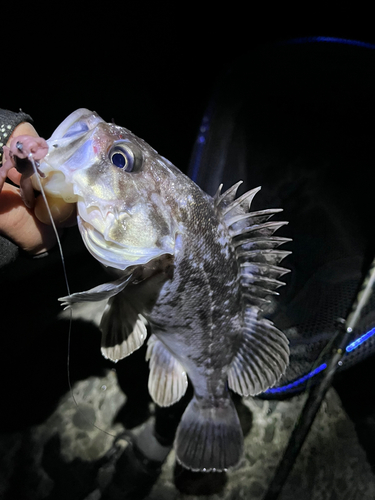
pixel 360 341
pixel 283 388
pixel 349 348
pixel 328 39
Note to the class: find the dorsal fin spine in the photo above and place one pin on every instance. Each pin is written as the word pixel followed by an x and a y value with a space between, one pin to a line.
pixel 261 243
pixel 266 229
pixel 218 194
pixel 240 202
pixel 247 228
pixel 259 216
pixel 268 256
pixel 225 199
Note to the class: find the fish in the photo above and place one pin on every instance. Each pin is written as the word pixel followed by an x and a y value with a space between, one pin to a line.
pixel 190 274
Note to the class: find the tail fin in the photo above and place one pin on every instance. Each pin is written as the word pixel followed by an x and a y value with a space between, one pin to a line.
pixel 209 438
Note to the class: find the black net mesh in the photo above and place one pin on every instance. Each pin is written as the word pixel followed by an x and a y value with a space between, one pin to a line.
pixel 298 120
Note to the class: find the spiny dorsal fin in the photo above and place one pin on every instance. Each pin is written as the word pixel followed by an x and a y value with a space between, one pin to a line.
pixel 255 245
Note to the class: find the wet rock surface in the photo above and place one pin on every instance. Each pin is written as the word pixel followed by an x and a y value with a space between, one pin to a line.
pixel 74 455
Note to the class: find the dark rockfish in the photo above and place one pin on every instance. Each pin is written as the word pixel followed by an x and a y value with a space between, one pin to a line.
pixel 193 268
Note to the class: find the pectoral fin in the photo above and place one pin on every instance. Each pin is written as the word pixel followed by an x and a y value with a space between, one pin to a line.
pixel 123 329
pixel 261 358
pixel 167 382
pixel 98 293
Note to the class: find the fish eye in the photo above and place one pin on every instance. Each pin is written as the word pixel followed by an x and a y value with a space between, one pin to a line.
pixel 125 157
pixel 120 160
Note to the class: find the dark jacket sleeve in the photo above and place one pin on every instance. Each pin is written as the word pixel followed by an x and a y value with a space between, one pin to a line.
pixel 8 122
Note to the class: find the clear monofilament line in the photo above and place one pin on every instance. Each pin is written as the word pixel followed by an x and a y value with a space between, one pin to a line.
pixel 30 156
pixel 52 221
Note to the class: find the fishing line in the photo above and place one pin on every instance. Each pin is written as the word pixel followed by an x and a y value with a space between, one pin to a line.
pixel 30 157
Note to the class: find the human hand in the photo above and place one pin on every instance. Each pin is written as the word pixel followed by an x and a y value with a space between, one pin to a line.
pixel 18 222
pixel 17 156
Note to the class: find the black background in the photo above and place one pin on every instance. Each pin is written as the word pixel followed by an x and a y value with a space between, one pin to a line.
pixel 149 66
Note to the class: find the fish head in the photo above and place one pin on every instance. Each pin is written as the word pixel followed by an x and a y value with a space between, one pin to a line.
pixel 120 185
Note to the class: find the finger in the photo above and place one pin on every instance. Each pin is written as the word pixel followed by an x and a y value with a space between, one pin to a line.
pixel 7 165
pixel 27 192
pixel 6 170
pixel 23 145
pixel 14 176
pixel 22 129
pixel 3 176
pixel 19 224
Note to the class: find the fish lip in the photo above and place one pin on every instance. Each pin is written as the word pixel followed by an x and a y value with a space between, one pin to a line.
pixel 97 245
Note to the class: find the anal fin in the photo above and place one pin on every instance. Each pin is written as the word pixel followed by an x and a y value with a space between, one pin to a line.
pixel 167 382
pixel 261 358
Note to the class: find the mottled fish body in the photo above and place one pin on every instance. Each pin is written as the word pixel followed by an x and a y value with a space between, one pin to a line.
pixel 195 269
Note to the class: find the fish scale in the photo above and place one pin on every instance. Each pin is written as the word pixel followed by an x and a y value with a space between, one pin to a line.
pixel 193 269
